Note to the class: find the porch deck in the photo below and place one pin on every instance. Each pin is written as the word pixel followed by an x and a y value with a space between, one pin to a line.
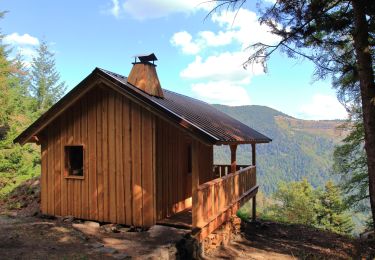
pixel 214 202
pixel 182 219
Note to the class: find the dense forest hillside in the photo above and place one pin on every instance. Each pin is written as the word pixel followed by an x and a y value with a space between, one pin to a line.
pixel 300 148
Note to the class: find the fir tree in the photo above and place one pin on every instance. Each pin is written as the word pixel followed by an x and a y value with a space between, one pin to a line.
pixel 45 80
pixel 331 211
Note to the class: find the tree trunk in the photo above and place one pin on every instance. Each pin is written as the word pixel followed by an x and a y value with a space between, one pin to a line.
pixel 366 79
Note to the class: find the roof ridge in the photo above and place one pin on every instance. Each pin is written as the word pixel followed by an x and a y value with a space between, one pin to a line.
pixel 111 72
pixel 164 89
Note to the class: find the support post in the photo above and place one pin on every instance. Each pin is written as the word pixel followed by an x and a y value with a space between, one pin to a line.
pixel 233 159
pixel 254 215
pixel 253 151
pixel 196 207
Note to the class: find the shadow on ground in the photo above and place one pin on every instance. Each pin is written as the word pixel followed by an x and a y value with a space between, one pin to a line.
pixel 266 240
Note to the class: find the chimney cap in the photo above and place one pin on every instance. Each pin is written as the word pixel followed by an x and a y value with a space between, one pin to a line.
pixel 145 58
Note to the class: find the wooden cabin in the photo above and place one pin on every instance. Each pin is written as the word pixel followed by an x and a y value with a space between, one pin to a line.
pixel 123 150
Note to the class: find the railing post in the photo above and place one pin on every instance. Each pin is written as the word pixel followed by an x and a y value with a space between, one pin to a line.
pixel 233 168
pixel 253 151
pixel 233 160
pixel 254 216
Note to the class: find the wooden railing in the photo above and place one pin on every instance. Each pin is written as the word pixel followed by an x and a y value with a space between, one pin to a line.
pixel 220 170
pixel 218 196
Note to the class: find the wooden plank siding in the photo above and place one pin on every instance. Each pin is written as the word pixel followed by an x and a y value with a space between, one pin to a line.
pixel 173 182
pixel 118 139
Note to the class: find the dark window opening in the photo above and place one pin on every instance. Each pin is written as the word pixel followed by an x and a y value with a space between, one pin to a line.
pixel 74 160
pixel 189 159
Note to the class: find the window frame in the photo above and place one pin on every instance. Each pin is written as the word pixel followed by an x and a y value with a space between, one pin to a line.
pixel 66 170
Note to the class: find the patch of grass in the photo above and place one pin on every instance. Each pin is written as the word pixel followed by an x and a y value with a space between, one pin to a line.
pixel 14 205
pixel 10 181
pixel 244 213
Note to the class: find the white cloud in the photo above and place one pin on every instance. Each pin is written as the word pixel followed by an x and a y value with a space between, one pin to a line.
pixel 323 107
pixel 225 66
pixel 212 39
pixel 183 40
pixel 218 75
pixel 23 45
pixel 17 39
pixel 115 9
pixel 26 52
pixel 221 92
pixel 244 27
pixel 270 1
pixel 150 9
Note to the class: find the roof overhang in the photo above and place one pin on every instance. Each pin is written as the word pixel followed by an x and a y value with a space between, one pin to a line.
pixel 244 142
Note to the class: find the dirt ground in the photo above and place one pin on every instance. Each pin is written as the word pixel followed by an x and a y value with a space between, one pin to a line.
pixel 30 238
pixel 267 240
pixel 38 238
pixel 26 234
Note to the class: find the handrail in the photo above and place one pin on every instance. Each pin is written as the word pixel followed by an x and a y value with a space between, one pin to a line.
pixel 217 196
pixel 210 183
pixel 221 170
pixel 238 165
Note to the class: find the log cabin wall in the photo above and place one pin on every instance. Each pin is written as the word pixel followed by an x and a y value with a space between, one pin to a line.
pixel 118 138
pixel 173 180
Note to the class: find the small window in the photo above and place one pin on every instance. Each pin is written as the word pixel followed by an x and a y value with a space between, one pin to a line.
pixel 74 160
pixel 189 159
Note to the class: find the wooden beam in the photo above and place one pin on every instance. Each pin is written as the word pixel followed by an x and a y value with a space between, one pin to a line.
pixel 254 215
pixel 253 150
pixel 35 139
pixel 233 160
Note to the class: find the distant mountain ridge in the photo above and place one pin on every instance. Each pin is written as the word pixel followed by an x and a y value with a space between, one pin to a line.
pixel 300 148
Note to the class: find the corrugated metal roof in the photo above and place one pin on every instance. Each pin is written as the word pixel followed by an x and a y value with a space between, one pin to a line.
pixel 201 115
pixel 198 117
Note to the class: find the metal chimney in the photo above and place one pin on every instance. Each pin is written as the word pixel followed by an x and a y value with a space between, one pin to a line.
pixel 144 76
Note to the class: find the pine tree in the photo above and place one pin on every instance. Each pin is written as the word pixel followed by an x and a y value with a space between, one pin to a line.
pixel 5 70
pixel 16 163
pixel 45 80
pixel 331 211
pixel 351 165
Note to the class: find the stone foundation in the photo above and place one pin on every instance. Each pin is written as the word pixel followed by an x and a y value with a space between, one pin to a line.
pixel 222 236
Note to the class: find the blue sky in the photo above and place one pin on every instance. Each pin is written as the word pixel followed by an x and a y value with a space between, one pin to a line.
pixel 198 57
